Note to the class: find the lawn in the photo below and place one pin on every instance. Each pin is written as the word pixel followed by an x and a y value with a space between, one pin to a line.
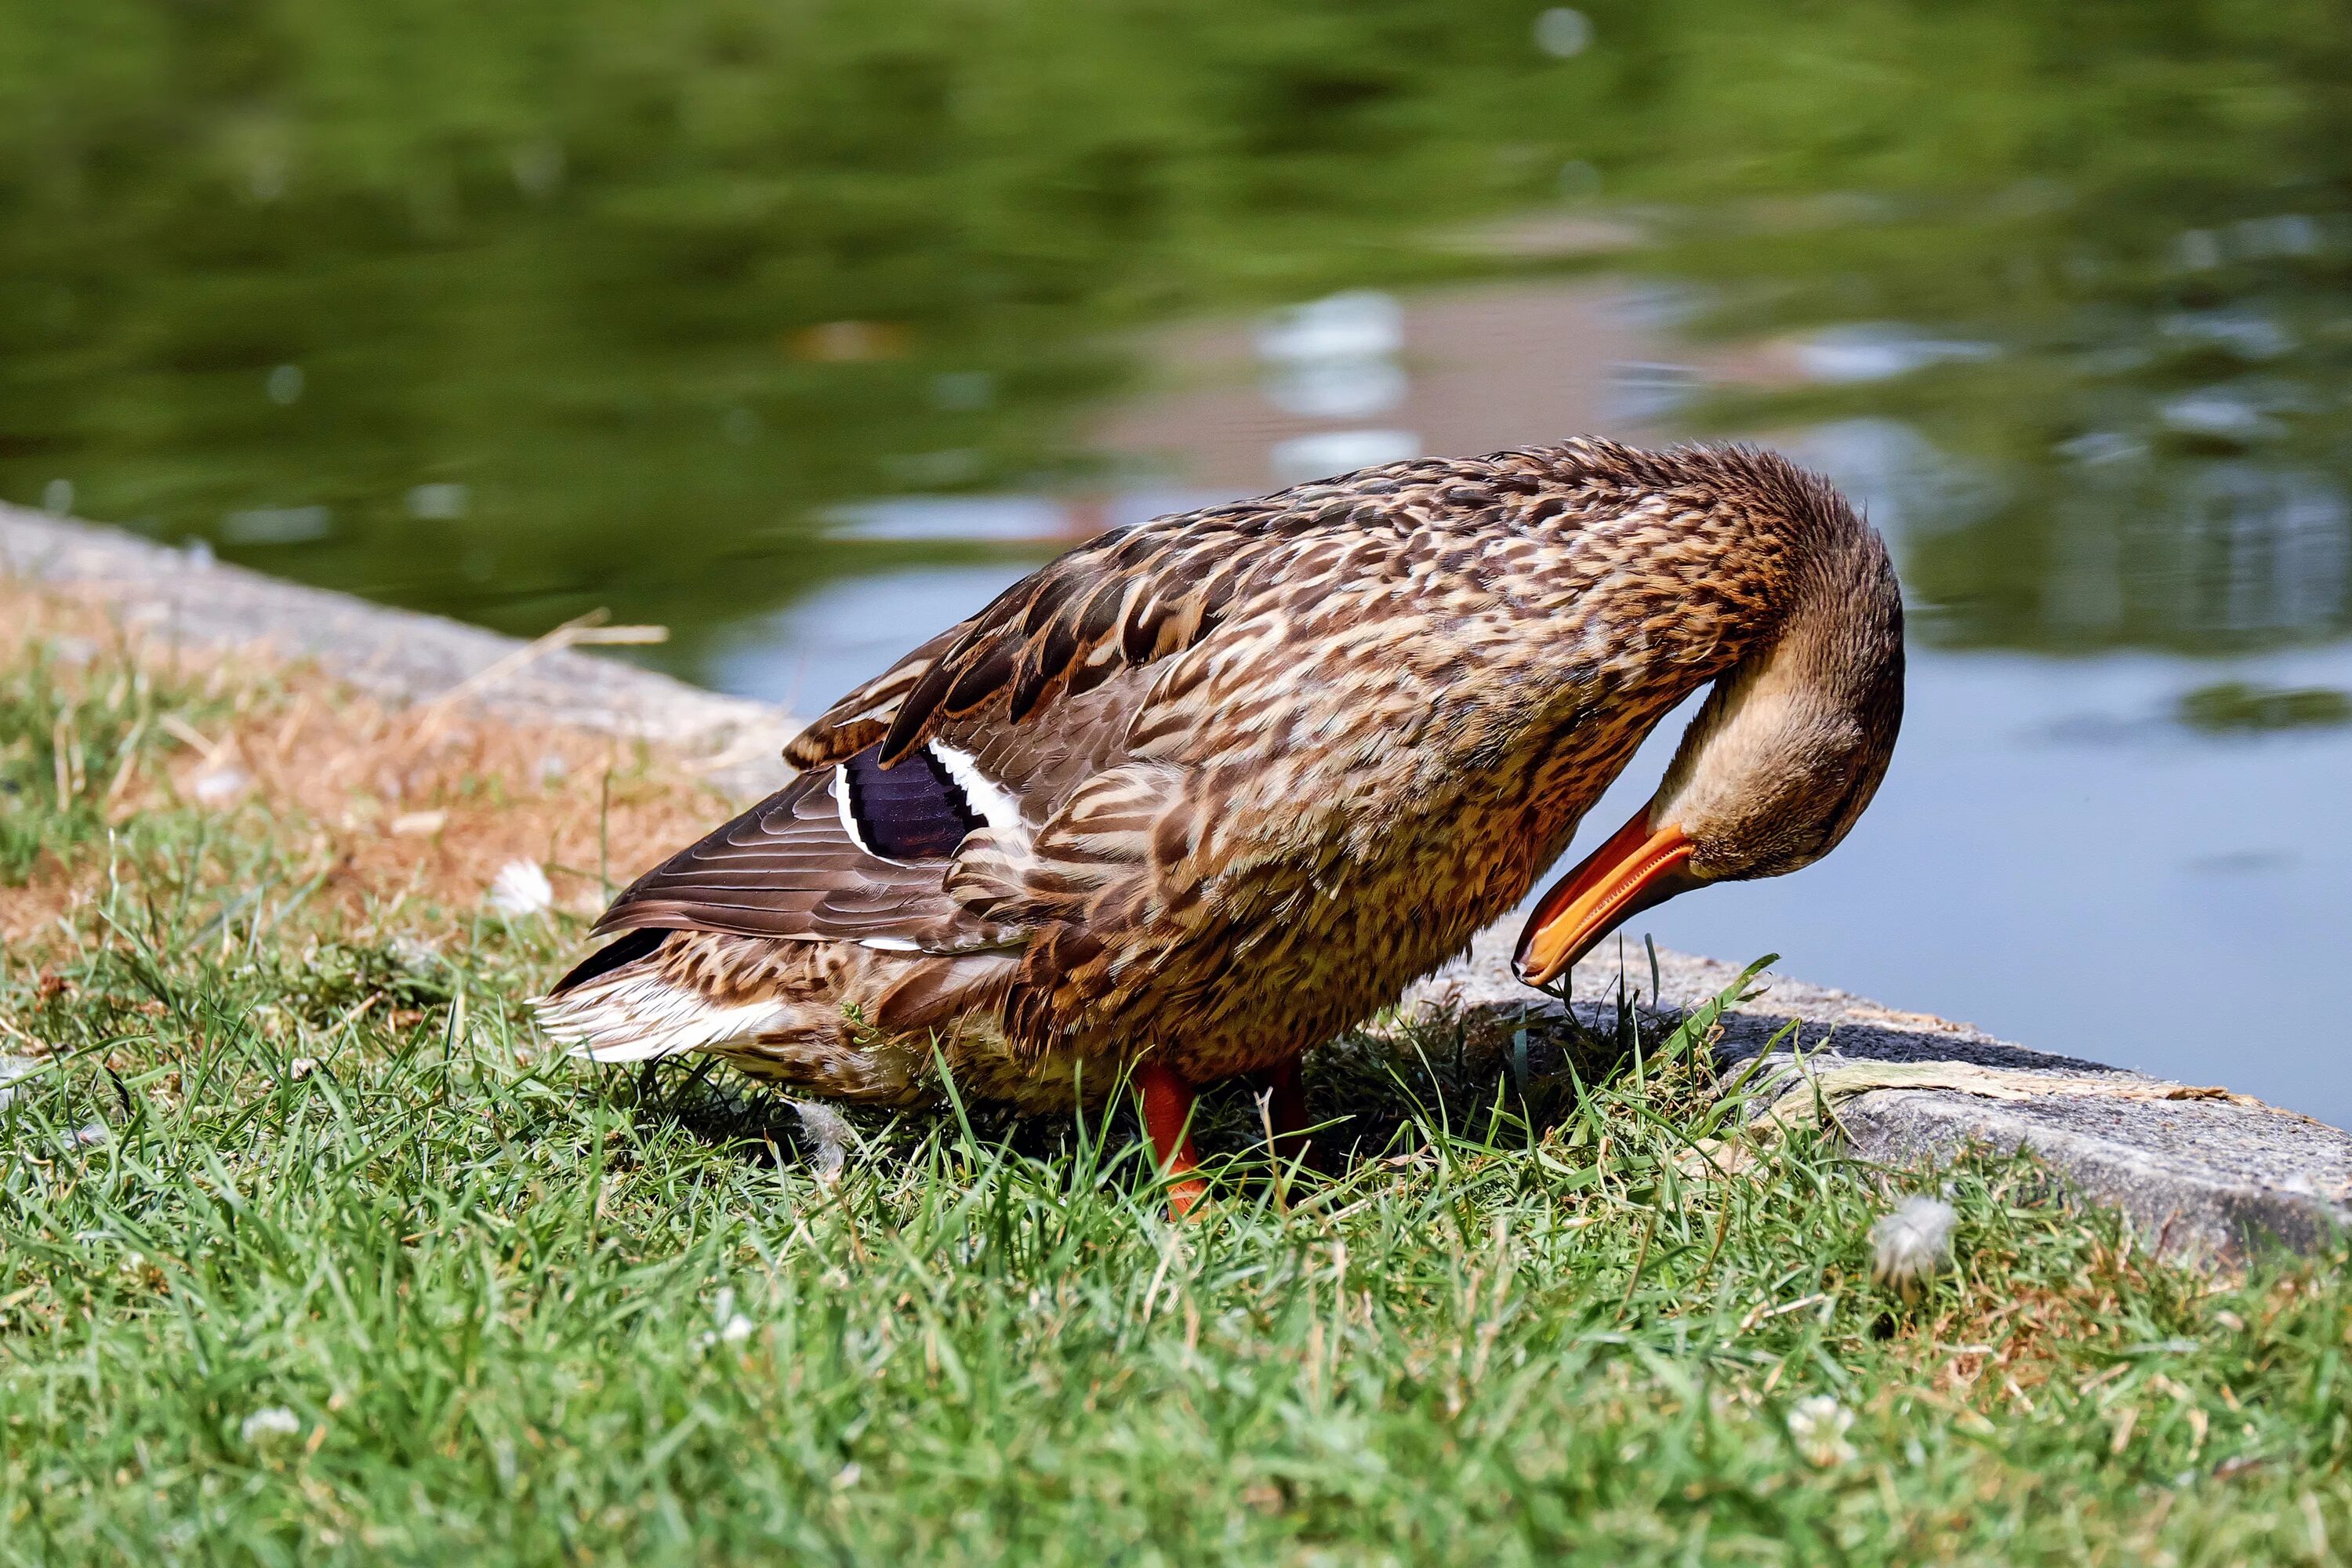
pixel 310 1250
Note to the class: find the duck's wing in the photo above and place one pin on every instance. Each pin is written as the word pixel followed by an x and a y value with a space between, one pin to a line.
pixel 943 800
pixel 1126 599
pixel 864 845
pixel 847 852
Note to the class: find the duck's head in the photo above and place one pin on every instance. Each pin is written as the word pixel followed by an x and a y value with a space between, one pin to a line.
pixel 1772 775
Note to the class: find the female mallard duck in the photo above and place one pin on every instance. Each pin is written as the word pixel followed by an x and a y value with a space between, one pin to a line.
pixel 1203 793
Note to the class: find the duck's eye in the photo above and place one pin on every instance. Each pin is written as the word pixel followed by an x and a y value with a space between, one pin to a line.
pixel 914 811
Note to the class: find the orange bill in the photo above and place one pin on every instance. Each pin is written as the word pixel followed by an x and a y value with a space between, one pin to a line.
pixel 1638 868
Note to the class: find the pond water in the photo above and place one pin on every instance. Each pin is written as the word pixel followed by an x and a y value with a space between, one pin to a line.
pixel 804 328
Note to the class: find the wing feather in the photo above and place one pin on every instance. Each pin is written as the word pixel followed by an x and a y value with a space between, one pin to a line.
pixel 1125 599
pixel 789 868
pixel 860 718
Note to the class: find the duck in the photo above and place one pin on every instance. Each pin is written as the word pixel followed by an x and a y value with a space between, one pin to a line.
pixel 1203 792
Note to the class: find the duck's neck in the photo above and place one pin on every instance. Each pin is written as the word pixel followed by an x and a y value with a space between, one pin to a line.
pixel 1723 567
pixel 1827 657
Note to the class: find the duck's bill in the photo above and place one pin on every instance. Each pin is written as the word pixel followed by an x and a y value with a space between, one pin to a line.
pixel 1639 868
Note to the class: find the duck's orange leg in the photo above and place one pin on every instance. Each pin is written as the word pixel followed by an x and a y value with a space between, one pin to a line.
pixel 1286 1111
pixel 1167 1118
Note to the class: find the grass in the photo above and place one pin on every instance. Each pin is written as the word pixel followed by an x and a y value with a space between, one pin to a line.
pixel 309 1252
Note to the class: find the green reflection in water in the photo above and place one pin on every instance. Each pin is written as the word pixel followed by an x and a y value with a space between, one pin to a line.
pixel 2111 241
pixel 631 292
pixel 512 311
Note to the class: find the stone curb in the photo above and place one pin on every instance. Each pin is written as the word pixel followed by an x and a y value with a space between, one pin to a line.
pixel 2200 1176
pixel 2211 1177
pixel 398 656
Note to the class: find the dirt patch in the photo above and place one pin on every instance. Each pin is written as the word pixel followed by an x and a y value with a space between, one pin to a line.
pixel 416 807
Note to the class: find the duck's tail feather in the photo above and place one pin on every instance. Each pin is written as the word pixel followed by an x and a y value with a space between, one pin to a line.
pixel 628 948
pixel 618 1007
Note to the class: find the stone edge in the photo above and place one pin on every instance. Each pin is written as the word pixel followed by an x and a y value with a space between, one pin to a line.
pixel 398 656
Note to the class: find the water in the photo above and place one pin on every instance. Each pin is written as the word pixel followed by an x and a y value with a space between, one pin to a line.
pixel 803 330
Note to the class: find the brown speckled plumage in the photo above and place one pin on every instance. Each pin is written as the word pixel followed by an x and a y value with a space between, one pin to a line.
pixel 1240 775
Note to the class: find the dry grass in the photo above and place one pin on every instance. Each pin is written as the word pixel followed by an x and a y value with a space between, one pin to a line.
pixel 396 811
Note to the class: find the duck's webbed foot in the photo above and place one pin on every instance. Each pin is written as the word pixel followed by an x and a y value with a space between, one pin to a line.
pixel 1168 1120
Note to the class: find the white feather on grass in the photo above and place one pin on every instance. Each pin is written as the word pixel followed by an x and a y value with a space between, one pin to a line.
pixel 1913 1245
pixel 522 888
pixel 829 1135
pixel 220 783
pixel 11 1070
pixel 269 1425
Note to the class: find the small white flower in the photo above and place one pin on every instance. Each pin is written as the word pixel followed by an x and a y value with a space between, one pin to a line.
pixel 520 888
pixel 265 1426
pixel 1913 1245
pixel 1819 1423
pixel 736 1330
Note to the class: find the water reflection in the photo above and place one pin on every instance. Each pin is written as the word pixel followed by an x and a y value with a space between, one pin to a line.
pixel 1907 486
pixel 1335 360
pixel 809 654
pixel 747 290
pixel 1454 369
pixel 1878 351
